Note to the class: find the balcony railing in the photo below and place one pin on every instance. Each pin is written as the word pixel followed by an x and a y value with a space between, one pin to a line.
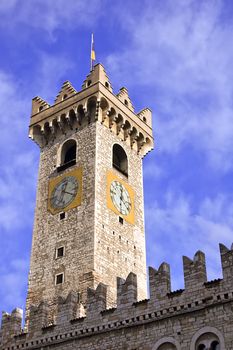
pixel 116 166
pixel 66 165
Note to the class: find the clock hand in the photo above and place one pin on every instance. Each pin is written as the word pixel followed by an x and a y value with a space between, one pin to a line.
pixel 127 205
pixel 116 192
pixel 69 193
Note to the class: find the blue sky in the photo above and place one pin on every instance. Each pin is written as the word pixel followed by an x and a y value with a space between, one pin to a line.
pixel 175 57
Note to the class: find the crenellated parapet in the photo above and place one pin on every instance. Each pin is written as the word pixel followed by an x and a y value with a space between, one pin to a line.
pixel 123 95
pixel 11 325
pixel 96 300
pixel 39 105
pixel 227 262
pixel 127 290
pixel 38 317
pixel 69 308
pixel 96 101
pixel 146 116
pixel 74 321
pixel 66 91
pixel 194 271
pixel 159 281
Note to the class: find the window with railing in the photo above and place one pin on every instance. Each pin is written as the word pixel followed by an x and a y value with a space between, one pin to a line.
pixel 68 155
pixel 119 159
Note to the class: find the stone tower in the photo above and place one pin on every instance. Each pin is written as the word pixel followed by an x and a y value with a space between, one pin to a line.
pixel 89 217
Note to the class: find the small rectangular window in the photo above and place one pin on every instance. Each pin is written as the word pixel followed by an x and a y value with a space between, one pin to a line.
pixel 62 215
pixel 121 221
pixel 60 252
pixel 59 278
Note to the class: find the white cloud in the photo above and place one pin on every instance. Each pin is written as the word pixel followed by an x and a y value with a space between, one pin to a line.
pixel 48 15
pixel 52 72
pixel 7 5
pixel 152 170
pixel 17 160
pixel 181 53
pixel 14 281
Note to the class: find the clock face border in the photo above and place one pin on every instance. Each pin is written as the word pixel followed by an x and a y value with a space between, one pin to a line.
pixel 77 174
pixel 130 217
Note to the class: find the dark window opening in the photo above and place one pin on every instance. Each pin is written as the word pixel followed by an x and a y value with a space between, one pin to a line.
pixel 144 119
pixel 62 215
pixel 121 221
pixel 201 347
pixel 119 159
pixel 126 102
pixel 60 252
pixel 215 345
pixel 68 155
pixel 59 278
pixel 64 96
pixel 107 84
pixel 89 83
pixel 40 108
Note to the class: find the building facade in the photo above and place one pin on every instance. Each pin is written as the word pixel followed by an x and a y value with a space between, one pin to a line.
pixel 87 282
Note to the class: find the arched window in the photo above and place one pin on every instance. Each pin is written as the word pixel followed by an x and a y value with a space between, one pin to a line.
pixel 119 159
pixel 166 343
pixel 68 155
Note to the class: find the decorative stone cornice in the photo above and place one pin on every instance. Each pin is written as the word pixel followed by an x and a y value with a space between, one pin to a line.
pixel 95 102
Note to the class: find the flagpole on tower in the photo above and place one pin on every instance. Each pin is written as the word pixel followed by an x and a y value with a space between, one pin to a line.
pixel 92 51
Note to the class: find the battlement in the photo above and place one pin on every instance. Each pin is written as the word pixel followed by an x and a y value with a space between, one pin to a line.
pixel 74 319
pixel 96 101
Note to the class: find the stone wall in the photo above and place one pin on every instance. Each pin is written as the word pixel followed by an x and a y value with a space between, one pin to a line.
pixel 119 247
pixel 75 233
pixel 178 319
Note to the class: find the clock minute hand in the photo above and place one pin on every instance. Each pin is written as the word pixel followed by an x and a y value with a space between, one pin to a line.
pixel 69 193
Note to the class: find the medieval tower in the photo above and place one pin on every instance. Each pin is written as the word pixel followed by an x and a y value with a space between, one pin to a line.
pixel 89 218
pixel 87 281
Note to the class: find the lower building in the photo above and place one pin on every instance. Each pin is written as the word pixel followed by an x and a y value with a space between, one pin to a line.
pixel 196 318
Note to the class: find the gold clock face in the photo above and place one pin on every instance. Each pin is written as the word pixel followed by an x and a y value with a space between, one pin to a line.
pixel 64 192
pixel 120 197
